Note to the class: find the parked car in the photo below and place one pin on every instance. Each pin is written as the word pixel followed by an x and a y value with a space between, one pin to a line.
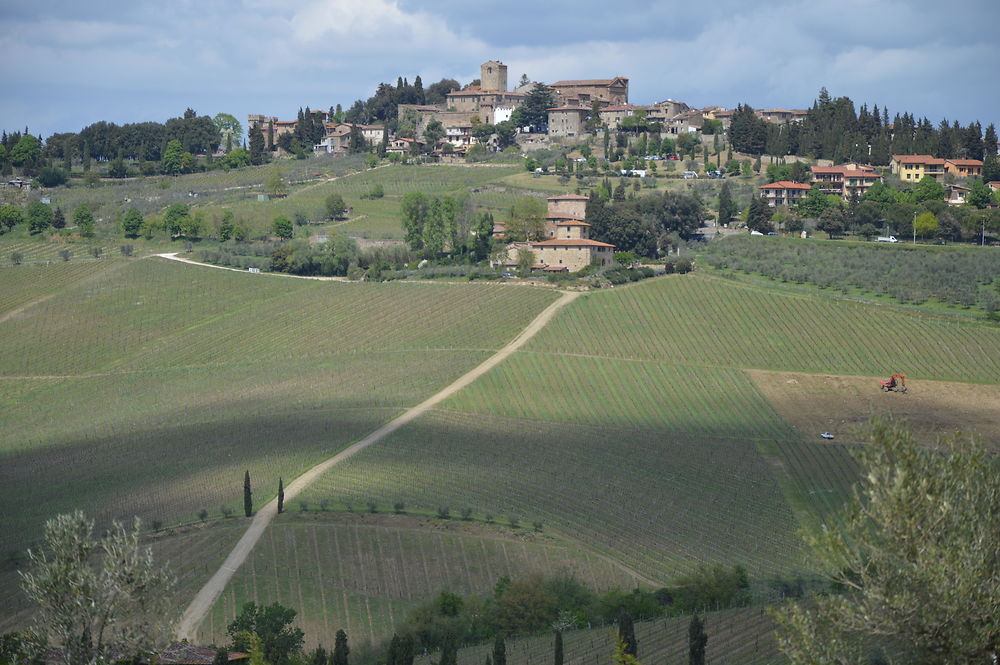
pixel 687 175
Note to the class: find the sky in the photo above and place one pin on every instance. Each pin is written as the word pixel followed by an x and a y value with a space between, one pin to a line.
pixel 68 64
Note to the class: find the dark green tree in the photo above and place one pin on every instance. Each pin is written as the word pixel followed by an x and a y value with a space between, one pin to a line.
pixel 558 659
pixel 258 151
pixel 449 650
pixel 221 657
pixel 10 216
pixel 281 497
pixel 273 625
pixel 759 215
pixel 626 633
pixel 247 495
pixel 173 158
pixel 727 207
pixel 132 223
pixel 357 141
pixel 415 209
pixel 335 206
pixel 39 216
pixel 320 657
pixel 58 218
pixel 84 220
pixel 340 649
pixel 697 640
pixel 406 650
pixel 283 227
pixel 534 113
pixel 499 651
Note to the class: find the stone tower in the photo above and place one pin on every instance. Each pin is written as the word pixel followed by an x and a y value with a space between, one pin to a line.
pixel 493 76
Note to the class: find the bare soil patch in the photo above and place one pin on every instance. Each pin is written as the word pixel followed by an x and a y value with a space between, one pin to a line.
pixel 842 405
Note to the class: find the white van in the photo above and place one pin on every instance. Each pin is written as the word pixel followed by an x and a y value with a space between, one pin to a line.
pixel 886 239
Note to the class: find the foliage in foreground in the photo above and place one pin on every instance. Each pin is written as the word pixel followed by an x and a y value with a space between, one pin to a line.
pixel 916 554
pixel 98 599
pixel 962 277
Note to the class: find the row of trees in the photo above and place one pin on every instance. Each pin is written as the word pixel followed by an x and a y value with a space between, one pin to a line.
pixel 435 225
pixel 40 217
pixel 646 225
pixel 832 129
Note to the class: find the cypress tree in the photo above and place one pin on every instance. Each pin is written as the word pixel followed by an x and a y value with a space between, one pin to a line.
pixel 58 218
pixel 626 633
pixel 449 650
pixel 319 656
pixel 697 639
pixel 392 655
pixel 340 648
pixel 559 648
pixel 281 508
pixel 257 149
pixel 247 495
pixel 405 654
pixel 499 651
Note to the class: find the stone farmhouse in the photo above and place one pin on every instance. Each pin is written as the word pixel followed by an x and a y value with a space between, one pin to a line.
pixel 568 246
pixel 607 92
pixel 568 120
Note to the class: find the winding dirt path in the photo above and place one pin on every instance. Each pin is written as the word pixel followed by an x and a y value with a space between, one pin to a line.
pixel 209 593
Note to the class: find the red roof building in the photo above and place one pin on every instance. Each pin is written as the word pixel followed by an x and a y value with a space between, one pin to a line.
pixel 784 192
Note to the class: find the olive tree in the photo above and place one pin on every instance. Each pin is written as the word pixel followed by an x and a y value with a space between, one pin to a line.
pixel 915 558
pixel 98 599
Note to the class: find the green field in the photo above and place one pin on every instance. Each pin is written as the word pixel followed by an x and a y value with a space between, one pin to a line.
pixel 712 322
pixel 149 387
pixel 363 572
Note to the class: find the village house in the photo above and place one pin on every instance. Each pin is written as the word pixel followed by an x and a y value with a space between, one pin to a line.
pixel 403 146
pixel 778 116
pixel 956 195
pixel 963 168
pixel 613 115
pixel 564 208
pixel 994 185
pixel 784 193
pixel 683 123
pixel 912 168
pixel 270 127
pixel 846 180
pixel 568 120
pixel 607 92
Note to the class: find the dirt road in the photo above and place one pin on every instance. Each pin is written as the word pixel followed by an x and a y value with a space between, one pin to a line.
pixel 206 598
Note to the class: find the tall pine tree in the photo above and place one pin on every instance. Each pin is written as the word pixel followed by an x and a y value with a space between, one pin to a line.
pixel 626 633
pixel 281 496
pixel 340 649
pixel 247 495
pixel 499 651
pixel 558 649
pixel 697 640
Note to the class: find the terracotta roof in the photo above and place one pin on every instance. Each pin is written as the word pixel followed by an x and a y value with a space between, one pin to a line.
pixel 995 184
pixel 567 108
pixel 785 184
pixel 917 159
pixel 568 197
pixel 555 269
pixel 965 162
pixel 571 242
pixel 573 222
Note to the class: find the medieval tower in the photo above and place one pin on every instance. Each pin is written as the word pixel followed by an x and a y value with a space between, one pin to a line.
pixel 493 76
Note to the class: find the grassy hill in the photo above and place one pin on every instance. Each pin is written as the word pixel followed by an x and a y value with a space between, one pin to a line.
pixel 147 387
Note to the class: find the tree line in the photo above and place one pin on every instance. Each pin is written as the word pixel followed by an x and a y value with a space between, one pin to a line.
pixel 833 129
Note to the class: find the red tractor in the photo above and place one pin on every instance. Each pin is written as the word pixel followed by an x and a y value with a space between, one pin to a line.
pixel 895 382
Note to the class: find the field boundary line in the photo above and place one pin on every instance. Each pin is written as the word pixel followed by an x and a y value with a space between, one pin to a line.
pixel 210 592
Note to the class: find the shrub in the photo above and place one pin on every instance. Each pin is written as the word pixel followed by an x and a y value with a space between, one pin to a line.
pixel 226 511
pixel 203 514
pixel 466 514
pixel 16 258
pixel 444 513
pixel 372 506
pixel 399 507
